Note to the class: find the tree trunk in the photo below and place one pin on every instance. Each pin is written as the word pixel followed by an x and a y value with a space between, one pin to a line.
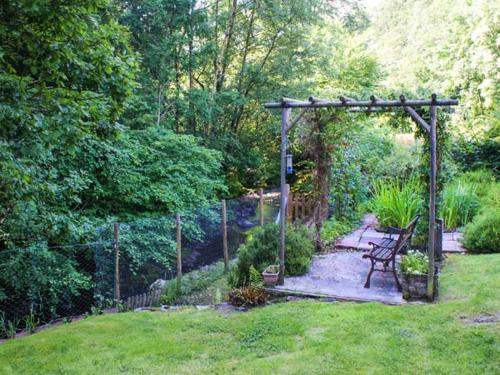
pixel 228 39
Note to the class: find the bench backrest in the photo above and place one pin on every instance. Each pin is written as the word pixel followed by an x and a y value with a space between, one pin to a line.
pixel 406 234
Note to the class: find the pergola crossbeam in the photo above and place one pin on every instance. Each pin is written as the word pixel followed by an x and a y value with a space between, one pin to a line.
pixel 419 120
pixel 296 119
pixel 292 103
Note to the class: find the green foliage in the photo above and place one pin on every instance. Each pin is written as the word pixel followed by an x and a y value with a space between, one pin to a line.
pixel 482 235
pixel 254 278
pixel 462 62
pixel 332 229
pixel 11 328
pixel 31 322
pixel 485 182
pixel 459 204
pixel 43 280
pixel 395 202
pixel 248 296
pixel 401 162
pixel 261 250
pixel 191 282
pixel 481 153
pixel 414 263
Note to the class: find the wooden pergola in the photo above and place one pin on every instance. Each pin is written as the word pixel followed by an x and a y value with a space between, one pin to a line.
pixel 373 105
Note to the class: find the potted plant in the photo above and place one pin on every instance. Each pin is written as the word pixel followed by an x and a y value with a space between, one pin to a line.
pixel 414 267
pixel 271 274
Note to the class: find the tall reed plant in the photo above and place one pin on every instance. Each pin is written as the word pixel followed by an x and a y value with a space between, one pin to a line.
pixel 396 202
pixel 459 204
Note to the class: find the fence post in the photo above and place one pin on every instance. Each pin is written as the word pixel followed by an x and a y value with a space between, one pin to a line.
pixel 117 262
pixel 290 207
pixel 439 239
pixel 179 255
pixel 261 206
pixel 224 235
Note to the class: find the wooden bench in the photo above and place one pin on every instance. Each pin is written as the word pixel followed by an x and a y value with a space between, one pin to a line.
pixel 385 250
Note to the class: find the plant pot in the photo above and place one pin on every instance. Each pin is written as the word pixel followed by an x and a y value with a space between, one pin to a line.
pixel 415 286
pixel 271 275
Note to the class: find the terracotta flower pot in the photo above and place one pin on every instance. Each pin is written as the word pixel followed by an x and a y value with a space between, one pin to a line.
pixel 271 275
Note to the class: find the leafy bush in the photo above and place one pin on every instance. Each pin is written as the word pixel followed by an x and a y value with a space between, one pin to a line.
pixel 349 188
pixel 333 228
pixel 248 296
pixel 482 235
pixel 401 162
pixel 255 278
pixel 459 204
pixel 261 250
pixel 414 263
pixel 192 282
pixel 41 280
pixel 484 181
pixel 396 203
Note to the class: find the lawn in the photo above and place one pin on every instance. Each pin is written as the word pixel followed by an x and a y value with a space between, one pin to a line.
pixel 304 337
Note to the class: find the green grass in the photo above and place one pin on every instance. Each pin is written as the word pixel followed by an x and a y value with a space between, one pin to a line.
pixel 305 337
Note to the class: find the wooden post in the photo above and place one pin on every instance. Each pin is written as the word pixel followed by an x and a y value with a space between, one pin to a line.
pixel 261 206
pixel 117 262
pixel 224 235
pixel 290 206
pixel 285 113
pixel 439 240
pixel 432 203
pixel 179 255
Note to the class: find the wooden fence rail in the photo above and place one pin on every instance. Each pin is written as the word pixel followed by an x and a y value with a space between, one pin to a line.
pixel 300 207
pixel 151 298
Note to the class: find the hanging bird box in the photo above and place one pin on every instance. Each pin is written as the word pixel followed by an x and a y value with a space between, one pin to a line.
pixel 289 164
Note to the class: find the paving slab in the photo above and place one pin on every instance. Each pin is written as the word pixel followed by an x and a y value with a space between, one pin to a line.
pixel 358 239
pixel 453 247
pixel 373 234
pixel 342 275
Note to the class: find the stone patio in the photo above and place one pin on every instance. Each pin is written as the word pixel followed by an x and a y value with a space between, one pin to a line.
pixel 359 239
pixel 341 275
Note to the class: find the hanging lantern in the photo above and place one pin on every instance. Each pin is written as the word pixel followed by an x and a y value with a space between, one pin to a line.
pixel 289 164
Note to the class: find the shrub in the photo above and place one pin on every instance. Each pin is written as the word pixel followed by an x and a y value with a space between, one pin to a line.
pixel 247 296
pixel 482 235
pixel 414 263
pixel 255 278
pixel 395 203
pixel 485 182
pixel 401 162
pixel 459 204
pixel 192 282
pixel 261 250
pixel 333 228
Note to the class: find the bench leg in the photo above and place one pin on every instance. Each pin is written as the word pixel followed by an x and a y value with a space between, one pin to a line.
pixel 367 283
pixel 396 275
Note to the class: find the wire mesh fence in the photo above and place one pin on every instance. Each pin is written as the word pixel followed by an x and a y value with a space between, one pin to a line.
pixel 127 265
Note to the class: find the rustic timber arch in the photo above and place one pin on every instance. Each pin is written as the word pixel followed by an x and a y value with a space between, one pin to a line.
pixel 373 105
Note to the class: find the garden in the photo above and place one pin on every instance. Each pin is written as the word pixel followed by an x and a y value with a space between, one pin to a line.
pixel 249 186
